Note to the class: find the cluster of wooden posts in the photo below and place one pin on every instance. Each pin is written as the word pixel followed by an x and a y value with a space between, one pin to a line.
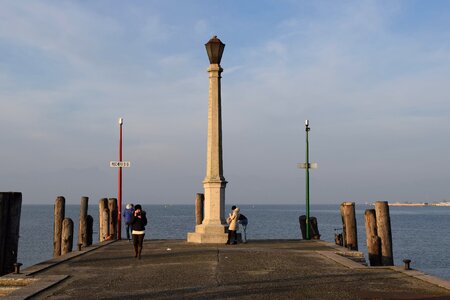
pixel 63 227
pixel 107 215
pixel 378 232
pixel 10 209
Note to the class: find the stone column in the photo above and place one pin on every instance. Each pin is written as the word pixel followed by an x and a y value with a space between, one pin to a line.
pixel 213 228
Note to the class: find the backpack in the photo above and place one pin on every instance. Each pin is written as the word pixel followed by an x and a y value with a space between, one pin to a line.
pixel 243 220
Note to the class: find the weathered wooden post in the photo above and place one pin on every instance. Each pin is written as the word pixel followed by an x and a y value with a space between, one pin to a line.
pixel 384 232
pixel 10 209
pixel 102 204
pixel 82 229
pixel 349 225
pixel 90 229
pixel 112 205
pixel 302 221
pixel 372 239
pixel 67 236
pixel 314 228
pixel 344 240
pixel 199 201
pixel 59 213
pixel 105 224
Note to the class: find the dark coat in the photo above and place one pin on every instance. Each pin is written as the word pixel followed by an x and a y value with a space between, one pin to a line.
pixel 138 223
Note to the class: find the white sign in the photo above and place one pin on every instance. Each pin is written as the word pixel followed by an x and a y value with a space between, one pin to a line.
pixel 304 166
pixel 119 164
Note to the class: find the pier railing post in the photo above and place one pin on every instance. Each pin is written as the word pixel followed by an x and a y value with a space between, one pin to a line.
pixel 59 213
pixel 384 232
pixel 349 225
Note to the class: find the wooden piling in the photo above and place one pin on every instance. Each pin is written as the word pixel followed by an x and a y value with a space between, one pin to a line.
pixel 349 225
pixel 67 236
pixel 199 202
pixel 344 240
pixel 82 228
pixel 58 217
pixel 302 222
pixel 384 232
pixel 102 204
pixel 89 229
pixel 372 239
pixel 10 209
pixel 105 224
pixel 112 205
pixel 4 212
pixel 314 228
pixel 374 250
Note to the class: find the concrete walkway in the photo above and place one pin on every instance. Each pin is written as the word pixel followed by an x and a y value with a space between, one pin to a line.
pixel 257 270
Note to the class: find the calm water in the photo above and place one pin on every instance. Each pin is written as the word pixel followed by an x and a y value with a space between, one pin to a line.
pixel 419 233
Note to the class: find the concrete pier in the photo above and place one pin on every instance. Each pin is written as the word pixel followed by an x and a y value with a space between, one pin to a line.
pixel 274 269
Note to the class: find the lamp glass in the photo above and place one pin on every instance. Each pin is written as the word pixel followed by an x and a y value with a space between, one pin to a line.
pixel 214 48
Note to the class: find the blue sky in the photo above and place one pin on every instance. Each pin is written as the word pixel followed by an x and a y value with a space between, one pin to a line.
pixel 372 77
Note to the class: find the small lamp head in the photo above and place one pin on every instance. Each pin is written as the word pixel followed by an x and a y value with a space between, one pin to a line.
pixel 214 48
pixel 307 125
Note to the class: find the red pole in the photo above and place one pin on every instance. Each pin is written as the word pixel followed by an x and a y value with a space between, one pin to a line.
pixel 119 205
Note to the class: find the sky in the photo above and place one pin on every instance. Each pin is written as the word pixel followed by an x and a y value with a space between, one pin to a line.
pixel 373 78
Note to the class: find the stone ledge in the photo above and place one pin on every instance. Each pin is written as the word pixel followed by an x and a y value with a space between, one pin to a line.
pixel 196 237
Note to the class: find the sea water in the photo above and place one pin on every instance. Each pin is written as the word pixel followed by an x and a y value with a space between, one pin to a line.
pixel 419 233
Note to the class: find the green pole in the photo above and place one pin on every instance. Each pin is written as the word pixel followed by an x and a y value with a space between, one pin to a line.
pixel 307 179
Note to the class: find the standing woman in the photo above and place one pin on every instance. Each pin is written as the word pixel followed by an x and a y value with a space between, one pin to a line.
pixel 233 226
pixel 138 225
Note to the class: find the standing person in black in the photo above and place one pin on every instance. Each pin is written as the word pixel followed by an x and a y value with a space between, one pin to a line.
pixel 138 223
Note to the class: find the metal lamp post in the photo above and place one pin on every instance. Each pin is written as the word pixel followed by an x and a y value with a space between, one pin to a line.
pixel 119 164
pixel 307 179
pixel 306 165
pixel 119 194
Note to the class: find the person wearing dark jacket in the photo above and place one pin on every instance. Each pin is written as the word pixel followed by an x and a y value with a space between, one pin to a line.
pixel 127 216
pixel 138 223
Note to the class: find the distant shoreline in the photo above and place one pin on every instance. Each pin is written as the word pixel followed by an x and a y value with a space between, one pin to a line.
pixel 445 203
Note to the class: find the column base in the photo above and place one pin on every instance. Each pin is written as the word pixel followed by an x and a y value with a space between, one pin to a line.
pixel 208 234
